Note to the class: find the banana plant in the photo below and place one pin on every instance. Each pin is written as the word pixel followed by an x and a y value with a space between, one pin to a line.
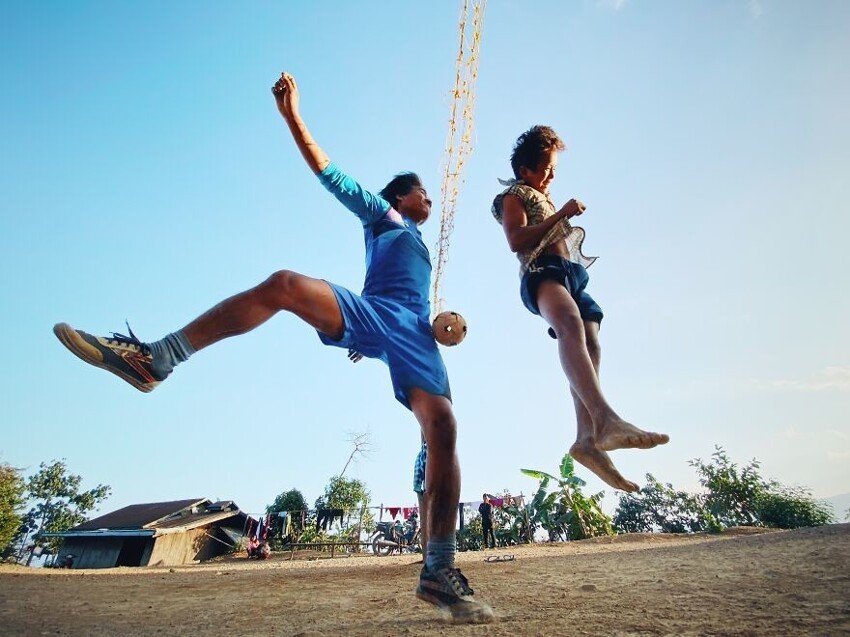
pixel 567 512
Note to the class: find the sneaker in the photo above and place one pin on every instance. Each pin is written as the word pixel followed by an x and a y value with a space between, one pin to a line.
pixel 125 356
pixel 448 589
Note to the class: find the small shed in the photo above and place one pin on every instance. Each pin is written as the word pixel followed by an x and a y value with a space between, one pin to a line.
pixel 156 534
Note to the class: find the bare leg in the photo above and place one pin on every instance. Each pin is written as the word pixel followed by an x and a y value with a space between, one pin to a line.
pixel 610 431
pixel 442 471
pixel 444 586
pixel 584 450
pixel 310 299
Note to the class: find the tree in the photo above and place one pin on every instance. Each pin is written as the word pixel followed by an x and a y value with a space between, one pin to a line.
pixel 567 512
pixel 59 503
pixel 734 496
pixel 291 502
pixel 732 493
pixel 344 493
pixel 361 445
pixel 12 489
pixel 349 495
pixel 659 507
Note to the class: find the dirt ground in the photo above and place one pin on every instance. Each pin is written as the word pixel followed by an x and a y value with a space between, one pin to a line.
pixel 743 582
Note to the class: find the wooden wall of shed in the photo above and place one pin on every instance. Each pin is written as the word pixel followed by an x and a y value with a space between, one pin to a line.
pixel 101 552
pixel 184 548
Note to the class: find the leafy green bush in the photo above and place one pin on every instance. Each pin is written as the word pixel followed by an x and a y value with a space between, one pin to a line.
pixel 659 507
pixel 12 488
pixel 469 538
pixel 790 508
pixel 734 496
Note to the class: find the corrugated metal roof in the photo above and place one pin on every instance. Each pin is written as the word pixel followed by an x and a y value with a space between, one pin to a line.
pixel 185 523
pixel 138 516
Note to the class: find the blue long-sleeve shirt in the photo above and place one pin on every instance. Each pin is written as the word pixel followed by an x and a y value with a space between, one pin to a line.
pixel 398 265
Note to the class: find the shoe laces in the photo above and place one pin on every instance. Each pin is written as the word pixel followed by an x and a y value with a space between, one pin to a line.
pixel 129 340
pixel 458 581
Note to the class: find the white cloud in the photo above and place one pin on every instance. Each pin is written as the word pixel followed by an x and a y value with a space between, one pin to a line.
pixel 828 379
pixel 838 455
pixel 756 8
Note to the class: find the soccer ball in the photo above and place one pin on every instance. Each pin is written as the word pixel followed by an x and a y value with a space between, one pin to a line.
pixel 449 328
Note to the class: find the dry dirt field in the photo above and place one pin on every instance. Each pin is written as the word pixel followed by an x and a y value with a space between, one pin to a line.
pixel 743 582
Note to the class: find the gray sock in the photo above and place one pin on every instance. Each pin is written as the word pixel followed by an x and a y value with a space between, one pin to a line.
pixel 441 553
pixel 169 352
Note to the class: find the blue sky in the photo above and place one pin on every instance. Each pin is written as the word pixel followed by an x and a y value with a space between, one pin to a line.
pixel 145 174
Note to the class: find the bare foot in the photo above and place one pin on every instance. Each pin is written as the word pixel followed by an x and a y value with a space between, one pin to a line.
pixel 600 463
pixel 618 434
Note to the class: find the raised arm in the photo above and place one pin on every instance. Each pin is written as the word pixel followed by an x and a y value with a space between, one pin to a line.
pixel 368 207
pixel 519 234
pixel 287 98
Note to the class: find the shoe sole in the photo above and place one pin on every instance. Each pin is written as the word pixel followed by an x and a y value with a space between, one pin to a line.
pixel 479 613
pixel 68 336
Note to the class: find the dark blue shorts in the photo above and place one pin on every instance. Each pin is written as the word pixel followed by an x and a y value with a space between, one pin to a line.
pixel 571 275
pixel 389 331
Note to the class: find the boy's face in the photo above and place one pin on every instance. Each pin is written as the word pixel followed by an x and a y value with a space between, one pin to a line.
pixel 544 174
pixel 415 205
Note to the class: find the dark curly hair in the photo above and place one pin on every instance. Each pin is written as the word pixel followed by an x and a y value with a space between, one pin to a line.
pixel 400 185
pixel 531 146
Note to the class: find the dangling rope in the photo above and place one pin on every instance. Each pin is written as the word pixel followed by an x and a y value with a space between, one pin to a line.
pixel 459 142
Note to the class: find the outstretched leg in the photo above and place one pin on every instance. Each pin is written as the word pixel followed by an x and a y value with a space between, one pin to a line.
pixel 440 583
pixel 585 449
pixel 310 299
pixel 610 431
pixel 145 365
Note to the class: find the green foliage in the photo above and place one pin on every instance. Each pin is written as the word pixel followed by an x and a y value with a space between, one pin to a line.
pixel 733 492
pixel 514 524
pixel 288 501
pixel 734 496
pixel 291 500
pixel 566 513
pixel 351 496
pixel 470 537
pixel 659 507
pixel 791 507
pixel 59 503
pixel 12 489
pixel 344 493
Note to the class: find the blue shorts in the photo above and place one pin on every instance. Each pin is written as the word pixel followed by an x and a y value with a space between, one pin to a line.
pixel 419 469
pixel 386 329
pixel 572 276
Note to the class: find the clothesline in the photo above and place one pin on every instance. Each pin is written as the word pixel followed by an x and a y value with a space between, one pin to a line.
pixel 507 500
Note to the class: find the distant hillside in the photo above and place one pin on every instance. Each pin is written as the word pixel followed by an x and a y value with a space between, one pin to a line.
pixel 840 504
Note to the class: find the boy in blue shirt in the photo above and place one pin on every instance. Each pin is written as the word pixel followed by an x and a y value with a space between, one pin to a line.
pixel 389 320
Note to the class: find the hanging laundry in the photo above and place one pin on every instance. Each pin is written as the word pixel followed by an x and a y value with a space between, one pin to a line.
pixel 325 518
pixel 393 511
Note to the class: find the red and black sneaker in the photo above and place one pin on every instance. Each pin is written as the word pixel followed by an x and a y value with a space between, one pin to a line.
pixel 125 356
pixel 448 589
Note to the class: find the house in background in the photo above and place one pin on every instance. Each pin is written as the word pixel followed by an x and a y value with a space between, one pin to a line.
pixel 156 534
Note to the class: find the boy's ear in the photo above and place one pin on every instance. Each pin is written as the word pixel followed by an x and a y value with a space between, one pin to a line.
pixel 523 172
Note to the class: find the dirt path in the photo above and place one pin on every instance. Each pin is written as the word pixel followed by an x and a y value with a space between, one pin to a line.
pixel 777 583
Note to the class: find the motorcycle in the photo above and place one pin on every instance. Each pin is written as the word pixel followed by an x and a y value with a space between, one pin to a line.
pixel 395 536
